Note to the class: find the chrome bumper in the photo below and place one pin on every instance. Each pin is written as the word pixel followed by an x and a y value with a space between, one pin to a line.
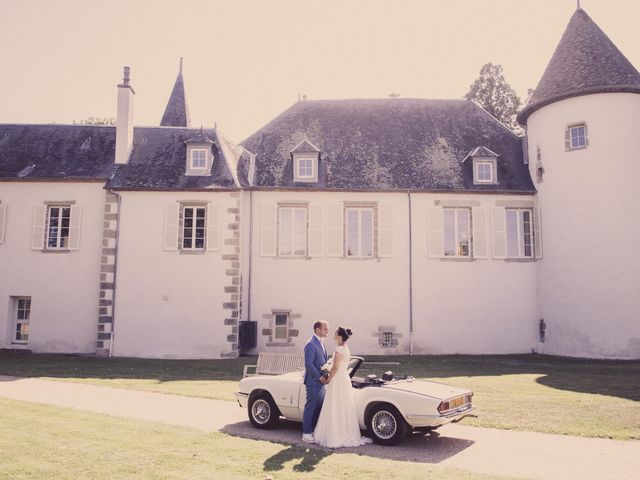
pixel 454 416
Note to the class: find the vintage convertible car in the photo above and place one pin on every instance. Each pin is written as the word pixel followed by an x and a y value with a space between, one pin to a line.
pixel 388 407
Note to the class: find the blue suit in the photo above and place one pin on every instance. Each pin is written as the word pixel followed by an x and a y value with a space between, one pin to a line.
pixel 314 357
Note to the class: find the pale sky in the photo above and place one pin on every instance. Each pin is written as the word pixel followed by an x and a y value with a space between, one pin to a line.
pixel 245 61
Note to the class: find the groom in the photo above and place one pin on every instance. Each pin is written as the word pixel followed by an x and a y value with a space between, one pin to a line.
pixel 315 355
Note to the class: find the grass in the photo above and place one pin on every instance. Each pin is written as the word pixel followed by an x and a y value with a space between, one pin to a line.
pixel 57 444
pixel 590 398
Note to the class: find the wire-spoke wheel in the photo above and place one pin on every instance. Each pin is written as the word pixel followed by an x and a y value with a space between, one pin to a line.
pixel 263 412
pixel 386 425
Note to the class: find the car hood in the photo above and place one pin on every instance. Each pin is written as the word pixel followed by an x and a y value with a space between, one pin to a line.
pixel 424 387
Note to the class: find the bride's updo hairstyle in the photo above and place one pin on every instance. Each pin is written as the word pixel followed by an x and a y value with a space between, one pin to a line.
pixel 344 333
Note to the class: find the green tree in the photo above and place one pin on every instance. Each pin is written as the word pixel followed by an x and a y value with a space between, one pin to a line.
pixel 496 96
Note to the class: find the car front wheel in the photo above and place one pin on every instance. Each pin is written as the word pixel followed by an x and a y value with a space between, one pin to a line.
pixel 385 425
pixel 263 412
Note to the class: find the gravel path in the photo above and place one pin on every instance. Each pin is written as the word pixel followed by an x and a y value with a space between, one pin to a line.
pixel 495 452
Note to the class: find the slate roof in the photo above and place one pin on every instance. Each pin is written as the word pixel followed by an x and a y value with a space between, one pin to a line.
pixel 158 162
pixel 56 151
pixel 176 114
pixel 585 61
pixel 388 144
pixel 81 152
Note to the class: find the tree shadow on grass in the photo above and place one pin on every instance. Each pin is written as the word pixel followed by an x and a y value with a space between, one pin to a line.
pixel 308 457
pixel 616 378
pixel 418 447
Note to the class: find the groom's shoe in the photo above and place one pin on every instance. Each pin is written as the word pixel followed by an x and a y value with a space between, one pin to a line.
pixel 308 438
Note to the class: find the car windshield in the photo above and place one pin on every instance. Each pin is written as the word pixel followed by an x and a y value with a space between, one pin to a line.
pixel 354 364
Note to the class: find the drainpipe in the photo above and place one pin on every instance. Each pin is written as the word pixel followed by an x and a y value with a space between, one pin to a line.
pixel 410 278
pixel 250 254
pixel 115 272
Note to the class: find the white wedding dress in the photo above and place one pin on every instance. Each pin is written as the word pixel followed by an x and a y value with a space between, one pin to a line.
pixel 338 423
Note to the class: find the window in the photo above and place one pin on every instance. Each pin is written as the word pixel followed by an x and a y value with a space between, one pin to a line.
pixel 457 237
pixel 57 229
pixel 359 234
pixel 292 232
pixel 578 136
pixel 485 172
pixel 281 327
pixel 198 159
pixel 575 137
pixel 21 323
pixel 193 228
pixel 519 233
pixel 386 339
pixel 305 167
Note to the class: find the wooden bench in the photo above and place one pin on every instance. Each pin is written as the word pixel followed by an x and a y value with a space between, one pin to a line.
pixel 275 363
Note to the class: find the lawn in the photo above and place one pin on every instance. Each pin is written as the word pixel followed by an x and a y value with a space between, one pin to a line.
pixel 591 398
pixel 49 443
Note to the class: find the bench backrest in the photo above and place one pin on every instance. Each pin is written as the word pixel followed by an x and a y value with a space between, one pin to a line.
pixel 275 363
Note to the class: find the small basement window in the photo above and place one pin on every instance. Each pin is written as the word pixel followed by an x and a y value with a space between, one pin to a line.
pixel 387 339
pixel 281 327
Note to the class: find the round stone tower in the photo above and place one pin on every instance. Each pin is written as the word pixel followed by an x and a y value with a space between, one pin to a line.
pixel 583 145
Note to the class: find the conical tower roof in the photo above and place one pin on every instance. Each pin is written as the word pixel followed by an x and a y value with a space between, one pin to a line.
pixel 176 114
pixel 585 61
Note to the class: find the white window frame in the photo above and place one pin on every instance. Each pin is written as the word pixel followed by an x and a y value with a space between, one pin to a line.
pixel 58 239
pixel 520 232
pixel 192 159
pixel 20 322
pixel 287 327
pixel 457 211
pixel 309 167
pixel 298 175
pixel 291 210
pixel 193 228
pixel 347 230
pixel 387 339
pixel 480 171
pixel 578 127
pixel 492 170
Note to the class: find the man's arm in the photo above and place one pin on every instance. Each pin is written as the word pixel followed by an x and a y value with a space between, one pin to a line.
pixel 309 354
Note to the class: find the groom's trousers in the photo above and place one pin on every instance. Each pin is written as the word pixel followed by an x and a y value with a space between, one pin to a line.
pixel 315 397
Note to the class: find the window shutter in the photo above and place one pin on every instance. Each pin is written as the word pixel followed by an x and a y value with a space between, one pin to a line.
pixel 213 228
pixel 480 230
pixel 386 231
pixel 37 232
pixel 171 226
pixel 74 227
pixel 537 232
pixel 586 136
pixel 3 218
pixel 567 138
pixel 316 232
pixel 335 243
pixel 268 230
pixel 499 233
pixel 435 232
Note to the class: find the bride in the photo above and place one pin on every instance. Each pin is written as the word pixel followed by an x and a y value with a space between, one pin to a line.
pixel 338 422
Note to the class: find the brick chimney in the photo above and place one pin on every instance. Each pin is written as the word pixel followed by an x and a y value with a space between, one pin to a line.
pixel 124 120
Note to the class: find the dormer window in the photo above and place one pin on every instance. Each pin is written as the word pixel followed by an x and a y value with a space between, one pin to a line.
pixel 484 171
pixel 199 157
pixel 305 168
pixel 575 137
pixel 485 166
pixel 305 158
